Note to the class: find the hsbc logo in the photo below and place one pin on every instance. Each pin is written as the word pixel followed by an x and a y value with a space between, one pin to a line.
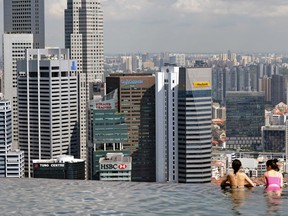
pixel 122 166
pixel 113 166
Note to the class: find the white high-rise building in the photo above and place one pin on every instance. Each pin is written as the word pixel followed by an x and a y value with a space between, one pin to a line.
pixel 14 46
pixel 127 64
pixel 48 105
pixel 11 162
pixel 167 124
pixel 25 17
pixel 183 124
pixel 24 28
pixel 178 60
pixel 84 38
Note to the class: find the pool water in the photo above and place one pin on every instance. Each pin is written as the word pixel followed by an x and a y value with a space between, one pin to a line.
pixel 66 197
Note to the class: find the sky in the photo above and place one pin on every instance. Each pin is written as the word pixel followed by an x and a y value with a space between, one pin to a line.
pixel 187 26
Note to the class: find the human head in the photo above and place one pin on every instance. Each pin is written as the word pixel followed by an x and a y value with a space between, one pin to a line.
pixel 272 163
pixel 236 164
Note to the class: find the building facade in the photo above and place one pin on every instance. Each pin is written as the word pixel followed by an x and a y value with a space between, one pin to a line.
pixel 62 167
pixel 278 89
pixel 25 17
pixel 48 108
pixel 107 130
pixel 166 98
pixel 265 86
pixel 84 39
pixel 136 96
pixel 11 162
pixel 245 115
pixel 97 155
pixel 273 138
pixel 14 46
pixel 194 125
pixel 115 167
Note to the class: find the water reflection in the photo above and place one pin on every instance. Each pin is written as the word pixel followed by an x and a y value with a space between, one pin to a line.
pixel 274 201
pixel 59 197
pixel 257 201
pixel 238 198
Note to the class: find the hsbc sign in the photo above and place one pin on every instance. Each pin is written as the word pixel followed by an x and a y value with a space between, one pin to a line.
pixel 115 166
pixel 122 166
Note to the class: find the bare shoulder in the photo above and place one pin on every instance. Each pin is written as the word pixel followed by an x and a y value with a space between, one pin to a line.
pixel 242 174
pixel 230 175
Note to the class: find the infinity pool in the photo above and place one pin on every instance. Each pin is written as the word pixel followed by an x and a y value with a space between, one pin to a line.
pixel 65 197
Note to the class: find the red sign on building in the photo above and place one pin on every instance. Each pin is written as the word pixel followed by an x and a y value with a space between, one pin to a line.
pixel 103 105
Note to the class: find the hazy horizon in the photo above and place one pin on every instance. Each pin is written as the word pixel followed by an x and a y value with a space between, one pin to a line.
pixel 185 26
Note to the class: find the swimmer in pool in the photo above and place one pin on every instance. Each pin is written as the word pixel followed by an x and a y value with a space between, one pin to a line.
pixel 273 178
pixel 237 179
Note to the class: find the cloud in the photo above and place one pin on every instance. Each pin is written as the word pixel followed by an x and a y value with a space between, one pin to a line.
pixel 134 10
pixel 124 9
pixel 55 8
pixel 252 8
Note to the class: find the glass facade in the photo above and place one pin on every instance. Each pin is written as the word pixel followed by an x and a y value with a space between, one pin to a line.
pixel 108 125
pixel 194 126
pixel 66 170
pixel 273 139
pixel 245 117
pixel 137 102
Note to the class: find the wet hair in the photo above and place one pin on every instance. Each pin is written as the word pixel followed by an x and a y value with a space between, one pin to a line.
pixel 236 164
pixel 273 164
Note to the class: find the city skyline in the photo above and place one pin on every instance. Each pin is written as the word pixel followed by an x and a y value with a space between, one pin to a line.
pixel 181 25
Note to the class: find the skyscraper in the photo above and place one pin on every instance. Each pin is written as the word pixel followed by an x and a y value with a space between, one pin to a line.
pixel 278 89
pixel 25 17
pixel 13 50
pixel 166 98
pixel 264 84
pixel 245 117
pixel 194 124
pixel 218 84
pixel 84 38
pixel 11 162
pixel 24 28
pixel 48 108
pixel 136 96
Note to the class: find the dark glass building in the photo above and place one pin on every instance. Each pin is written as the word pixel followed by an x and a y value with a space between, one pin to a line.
pixel 278 90
pixel 108 130
pixel 109 127
pixel 136 96
pixel 194 125
pixel 64 167
pixel 244 119
pixel 273 138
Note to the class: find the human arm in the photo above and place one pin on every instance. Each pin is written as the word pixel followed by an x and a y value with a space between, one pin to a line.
pixel 250 183
pixel 265 180
pixel 281 180
pixel 224 183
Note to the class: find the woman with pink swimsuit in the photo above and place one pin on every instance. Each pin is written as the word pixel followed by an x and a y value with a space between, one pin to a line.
pixel 274 179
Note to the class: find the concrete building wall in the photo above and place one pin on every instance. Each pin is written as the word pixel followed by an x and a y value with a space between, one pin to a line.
pixel 14 50
pixel 25 17
pixel 84 38
pixel 166 93
pixel 48 107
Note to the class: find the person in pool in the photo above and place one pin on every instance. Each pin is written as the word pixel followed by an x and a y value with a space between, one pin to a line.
pixel 273 178
pixel 237 179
